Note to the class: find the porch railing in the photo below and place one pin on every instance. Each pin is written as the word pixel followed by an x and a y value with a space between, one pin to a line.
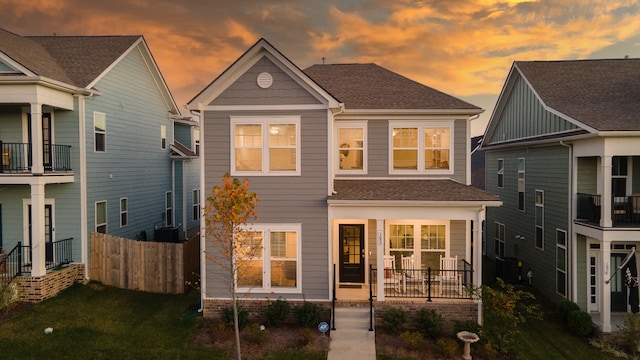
pixel 18 260
pixel 16 157
pixel 625 210
pixel 427 283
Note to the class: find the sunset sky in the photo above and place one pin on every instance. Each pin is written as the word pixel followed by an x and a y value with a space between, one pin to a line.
pixel 463 47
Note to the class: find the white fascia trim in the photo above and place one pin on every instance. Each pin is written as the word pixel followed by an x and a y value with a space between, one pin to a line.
pixel 400 203
pixel 46 82
pixel 16 65
pixel 263 107
pixel 463 112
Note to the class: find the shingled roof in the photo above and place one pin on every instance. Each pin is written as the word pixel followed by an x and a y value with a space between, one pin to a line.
pixel 369 86
pixel 602 94
pixel 408 190
pixel 74 60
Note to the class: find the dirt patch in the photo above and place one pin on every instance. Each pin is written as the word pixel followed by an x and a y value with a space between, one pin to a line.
pixel 256 343
pixel 14 310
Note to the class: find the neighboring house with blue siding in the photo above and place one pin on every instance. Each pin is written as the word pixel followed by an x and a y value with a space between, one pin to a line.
pixel 87 135
pixel 351 163
pixel 563 153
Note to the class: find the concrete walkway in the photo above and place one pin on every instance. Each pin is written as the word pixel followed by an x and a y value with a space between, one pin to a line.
pixel 352 339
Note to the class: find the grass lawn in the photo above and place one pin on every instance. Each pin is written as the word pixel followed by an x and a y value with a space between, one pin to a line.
pixel 97 322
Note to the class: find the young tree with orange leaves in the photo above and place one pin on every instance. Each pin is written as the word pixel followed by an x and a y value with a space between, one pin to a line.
pixel 227 213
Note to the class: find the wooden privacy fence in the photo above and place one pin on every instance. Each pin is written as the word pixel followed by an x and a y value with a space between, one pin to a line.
pixel 159 267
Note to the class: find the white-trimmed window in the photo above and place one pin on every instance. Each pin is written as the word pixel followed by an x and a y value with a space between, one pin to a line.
pixel 124 212
pixel 540 219
pixel 163 137
pixel 196 141
pixel 168 212
pixel 426 241
pixel 521 183
pixel 561 262
pixel 500 173
pixel 269 258
pixel 421 147
pixel 100 131
pixel 101 216
pixel 265 145
pixel 351 147
pixel 196 204
pixel 499 237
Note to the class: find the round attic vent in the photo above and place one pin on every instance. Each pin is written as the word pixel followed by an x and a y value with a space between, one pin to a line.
pixel 265 80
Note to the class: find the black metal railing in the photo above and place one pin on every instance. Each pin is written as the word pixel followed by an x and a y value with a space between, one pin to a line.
pixel 58 253
pixel 17 157
pixel 625 210
pixel 19 260
pixel 427 283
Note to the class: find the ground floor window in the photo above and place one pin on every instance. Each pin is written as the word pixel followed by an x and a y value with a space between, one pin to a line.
pixel 269 258
pixel 499 239
pixel 561 262
pixel 425 241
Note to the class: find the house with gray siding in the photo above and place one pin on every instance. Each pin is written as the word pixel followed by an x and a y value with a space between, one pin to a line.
pixel 351 163
pixel 562 152
pixel 92 141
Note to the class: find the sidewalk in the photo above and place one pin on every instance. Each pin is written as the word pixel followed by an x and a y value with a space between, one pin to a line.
pixel 352 339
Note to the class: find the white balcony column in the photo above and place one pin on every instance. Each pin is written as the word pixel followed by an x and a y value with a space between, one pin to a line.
pixel 606 271
pixel 380 259
pixel 38 252
pixel 37 167
pixel 604 189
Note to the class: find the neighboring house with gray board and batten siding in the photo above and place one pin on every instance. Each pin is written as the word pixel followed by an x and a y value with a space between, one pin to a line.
pixel 352 163
pixel 563 153
pixel 87 137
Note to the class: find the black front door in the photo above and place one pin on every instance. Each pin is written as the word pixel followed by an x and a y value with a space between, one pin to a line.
pixel 351 253
pixel 618 287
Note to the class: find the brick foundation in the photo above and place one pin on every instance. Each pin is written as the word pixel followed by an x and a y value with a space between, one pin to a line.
pixel 36 289
pixel 451 310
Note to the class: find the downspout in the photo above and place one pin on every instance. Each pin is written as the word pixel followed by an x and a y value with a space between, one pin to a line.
pixel 572 251
pixel 82 142
pixel 468 150
pixel 203 258
pixel 330 187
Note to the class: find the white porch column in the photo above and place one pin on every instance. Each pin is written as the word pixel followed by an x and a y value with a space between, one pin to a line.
pixel 38 252
pixel 477 257
pixel 380 259
pixel 606 271
pixel 36 139
pixel 604 189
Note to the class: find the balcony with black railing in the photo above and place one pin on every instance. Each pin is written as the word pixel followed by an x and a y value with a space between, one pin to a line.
pixel 17 158
pixel 625 210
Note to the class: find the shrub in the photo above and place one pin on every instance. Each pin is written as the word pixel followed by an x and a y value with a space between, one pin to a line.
pixel 505 309
pixel 8 296
pixel 579 322
pixel 277 312
pixel 306 335
pixel 243 317
pixel 412 339
pixel 308 314
pixel 448 348
pixel 257 334
pixel 395 319
pixel 467 325
pixel 564 308
pixel 429 323
pixel 630 331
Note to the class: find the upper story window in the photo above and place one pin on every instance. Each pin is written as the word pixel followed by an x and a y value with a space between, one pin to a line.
pixel 351 147
pixel 500 173
pixel 163 137
pixel 196 141
pixel 100 131
pixel 196 204
pixel 265 145
pixel 422 147
pixel 521 183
